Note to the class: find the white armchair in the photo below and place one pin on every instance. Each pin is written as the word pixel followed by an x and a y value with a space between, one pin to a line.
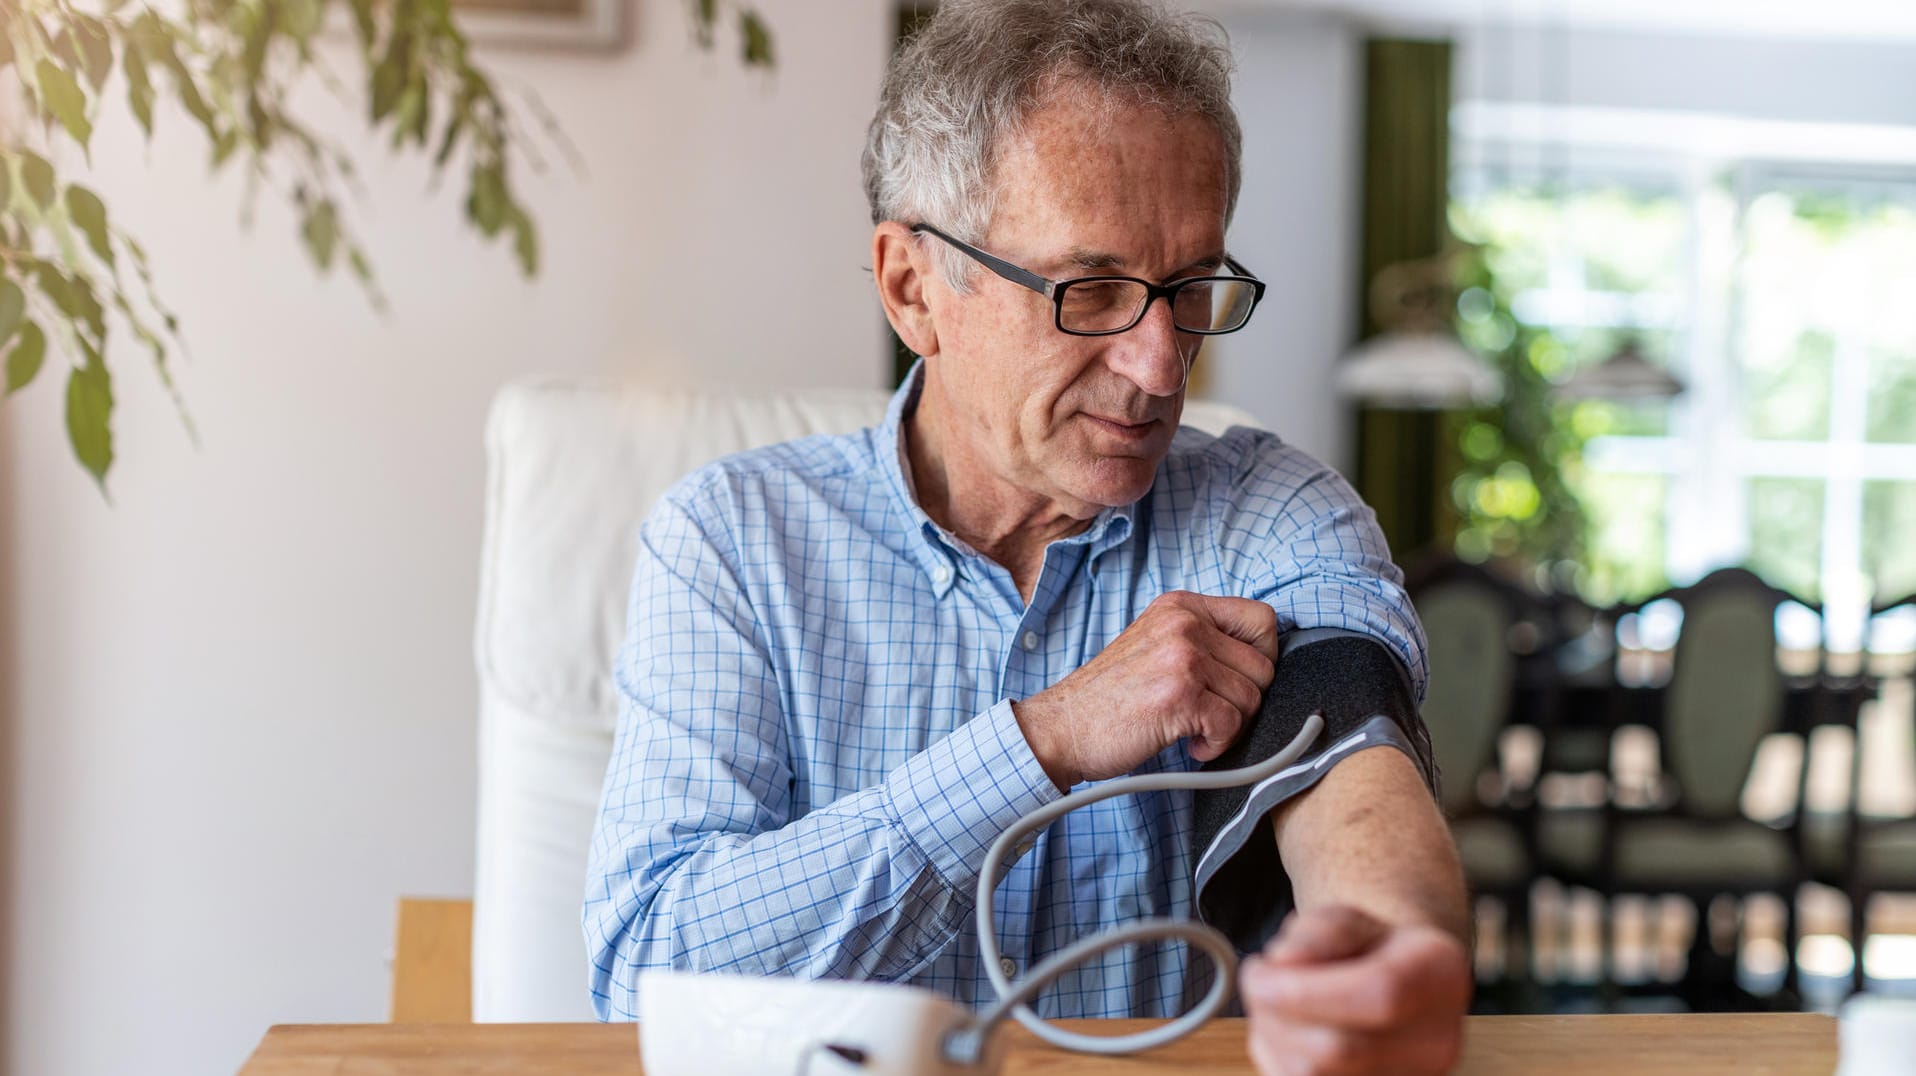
pixel 573 467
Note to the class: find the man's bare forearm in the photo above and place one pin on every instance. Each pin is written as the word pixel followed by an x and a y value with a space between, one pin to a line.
pixel 1369 836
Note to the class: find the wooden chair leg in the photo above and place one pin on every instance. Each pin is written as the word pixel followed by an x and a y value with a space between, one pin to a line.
pixel 1609 989
pixel 1858 936
pixel 1792 982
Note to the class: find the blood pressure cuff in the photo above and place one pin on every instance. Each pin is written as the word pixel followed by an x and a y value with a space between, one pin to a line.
pixel 1366 699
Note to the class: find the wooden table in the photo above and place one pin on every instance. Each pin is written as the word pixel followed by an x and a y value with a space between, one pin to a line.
pixel 1647 1045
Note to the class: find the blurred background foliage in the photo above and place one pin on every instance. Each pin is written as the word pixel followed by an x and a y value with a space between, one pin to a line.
pixel 1523 493
pixel 1782 301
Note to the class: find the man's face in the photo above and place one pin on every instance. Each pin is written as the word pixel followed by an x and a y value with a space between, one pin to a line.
pixel 1081 422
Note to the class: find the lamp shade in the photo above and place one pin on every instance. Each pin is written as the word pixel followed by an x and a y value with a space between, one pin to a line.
pixel 1626 375
pixel 1417 370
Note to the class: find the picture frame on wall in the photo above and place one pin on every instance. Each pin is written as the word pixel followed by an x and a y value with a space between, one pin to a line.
pixel 582 24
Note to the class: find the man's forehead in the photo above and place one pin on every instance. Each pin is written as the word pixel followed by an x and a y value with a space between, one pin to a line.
pixel 1108 186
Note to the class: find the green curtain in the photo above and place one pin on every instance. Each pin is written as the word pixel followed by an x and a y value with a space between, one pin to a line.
pixel 1405 459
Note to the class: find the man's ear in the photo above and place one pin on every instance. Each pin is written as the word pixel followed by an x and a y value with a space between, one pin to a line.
pixel 902 271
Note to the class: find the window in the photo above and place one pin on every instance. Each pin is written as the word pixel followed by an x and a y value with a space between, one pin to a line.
pixel 1779 293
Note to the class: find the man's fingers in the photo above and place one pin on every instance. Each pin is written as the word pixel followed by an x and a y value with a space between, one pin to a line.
pixel 1246 619
pixel 1229 683
pixel 1247 660
pixel 1393 985
pixel 1324 934
pixel 1219 721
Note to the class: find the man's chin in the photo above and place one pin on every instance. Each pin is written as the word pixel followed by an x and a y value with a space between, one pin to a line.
pixel 1116 481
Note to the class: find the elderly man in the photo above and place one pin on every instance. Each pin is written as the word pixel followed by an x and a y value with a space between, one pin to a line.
pixel 853 661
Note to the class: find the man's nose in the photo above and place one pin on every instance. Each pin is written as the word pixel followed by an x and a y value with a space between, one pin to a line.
pixel 1152 354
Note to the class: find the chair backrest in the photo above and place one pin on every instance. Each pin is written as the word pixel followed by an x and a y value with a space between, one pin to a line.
pixel 1726 692
pixel 573 467
pixel 1467 617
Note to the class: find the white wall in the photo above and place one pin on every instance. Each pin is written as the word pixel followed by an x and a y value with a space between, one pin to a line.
pixel 1299 92
pixel 238 702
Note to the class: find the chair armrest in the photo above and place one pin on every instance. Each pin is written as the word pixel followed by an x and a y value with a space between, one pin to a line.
pixel 432 962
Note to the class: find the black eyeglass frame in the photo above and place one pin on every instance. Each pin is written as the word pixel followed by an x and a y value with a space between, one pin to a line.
pixel 1055 289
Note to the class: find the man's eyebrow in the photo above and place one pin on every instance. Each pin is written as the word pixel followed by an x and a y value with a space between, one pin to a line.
pixel 1085 258
pixel 1095 260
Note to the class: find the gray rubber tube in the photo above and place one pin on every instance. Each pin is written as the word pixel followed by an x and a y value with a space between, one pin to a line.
pixel 968 1045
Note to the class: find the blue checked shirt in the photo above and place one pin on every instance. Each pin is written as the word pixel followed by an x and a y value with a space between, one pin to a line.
pixel 816 742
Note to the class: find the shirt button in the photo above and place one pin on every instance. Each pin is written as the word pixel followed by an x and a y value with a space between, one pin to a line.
pixel 1031 640
pixel 1008 966
pixel 940 573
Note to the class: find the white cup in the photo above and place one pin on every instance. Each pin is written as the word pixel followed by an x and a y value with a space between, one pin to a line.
pixel 1876 1036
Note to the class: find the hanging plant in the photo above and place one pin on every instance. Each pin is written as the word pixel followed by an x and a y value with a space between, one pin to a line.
pixel 75 284
pixel 1513 492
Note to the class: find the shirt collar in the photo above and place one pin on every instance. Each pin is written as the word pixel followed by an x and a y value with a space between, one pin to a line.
pixel 934 547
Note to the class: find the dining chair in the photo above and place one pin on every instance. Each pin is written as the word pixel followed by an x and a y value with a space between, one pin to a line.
pixel 1880 852
pixel 1725 694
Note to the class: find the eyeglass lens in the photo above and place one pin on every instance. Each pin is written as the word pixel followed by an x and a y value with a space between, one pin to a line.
pixel 1205 304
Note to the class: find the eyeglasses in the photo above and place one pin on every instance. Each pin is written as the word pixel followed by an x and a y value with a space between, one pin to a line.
pixel 1103 305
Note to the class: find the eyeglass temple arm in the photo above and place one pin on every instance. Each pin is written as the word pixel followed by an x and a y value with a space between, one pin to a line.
pixel 1021 277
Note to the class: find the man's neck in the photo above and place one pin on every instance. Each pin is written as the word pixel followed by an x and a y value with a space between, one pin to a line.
pixel 959 493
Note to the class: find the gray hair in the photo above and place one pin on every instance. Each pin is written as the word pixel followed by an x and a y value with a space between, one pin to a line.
pixel 979 68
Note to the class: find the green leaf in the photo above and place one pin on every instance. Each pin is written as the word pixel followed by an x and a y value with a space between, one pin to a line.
pixel 139 88
pixel 61 47
pixel 13 306
pixel 321 232
pixel 25 359
pixel 363 22
pixel 263 126
pixel 525 242
pixel 704 18
pixel 37 174
pixel 73 297
pixel 454 128
pixel 96 49
pixel 757 39
pixel 487 202
pixel 153 37
pixel 64 99
pixel 389 80
pixel 414 111
pixel 90 416
pixel 89 215
pixel 259 34
pixel 224 144
pixel 302 18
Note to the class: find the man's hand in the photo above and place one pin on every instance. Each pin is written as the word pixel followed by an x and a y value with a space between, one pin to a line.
pixel 1338 991
pixel 1192 665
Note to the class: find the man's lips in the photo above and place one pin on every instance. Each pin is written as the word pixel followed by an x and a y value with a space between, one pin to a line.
pixel 1122 427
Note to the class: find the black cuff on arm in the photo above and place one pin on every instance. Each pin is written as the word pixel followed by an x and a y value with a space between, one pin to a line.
pixel 1366 700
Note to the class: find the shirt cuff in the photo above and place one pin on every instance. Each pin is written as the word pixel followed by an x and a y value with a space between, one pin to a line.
pixel 955 797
